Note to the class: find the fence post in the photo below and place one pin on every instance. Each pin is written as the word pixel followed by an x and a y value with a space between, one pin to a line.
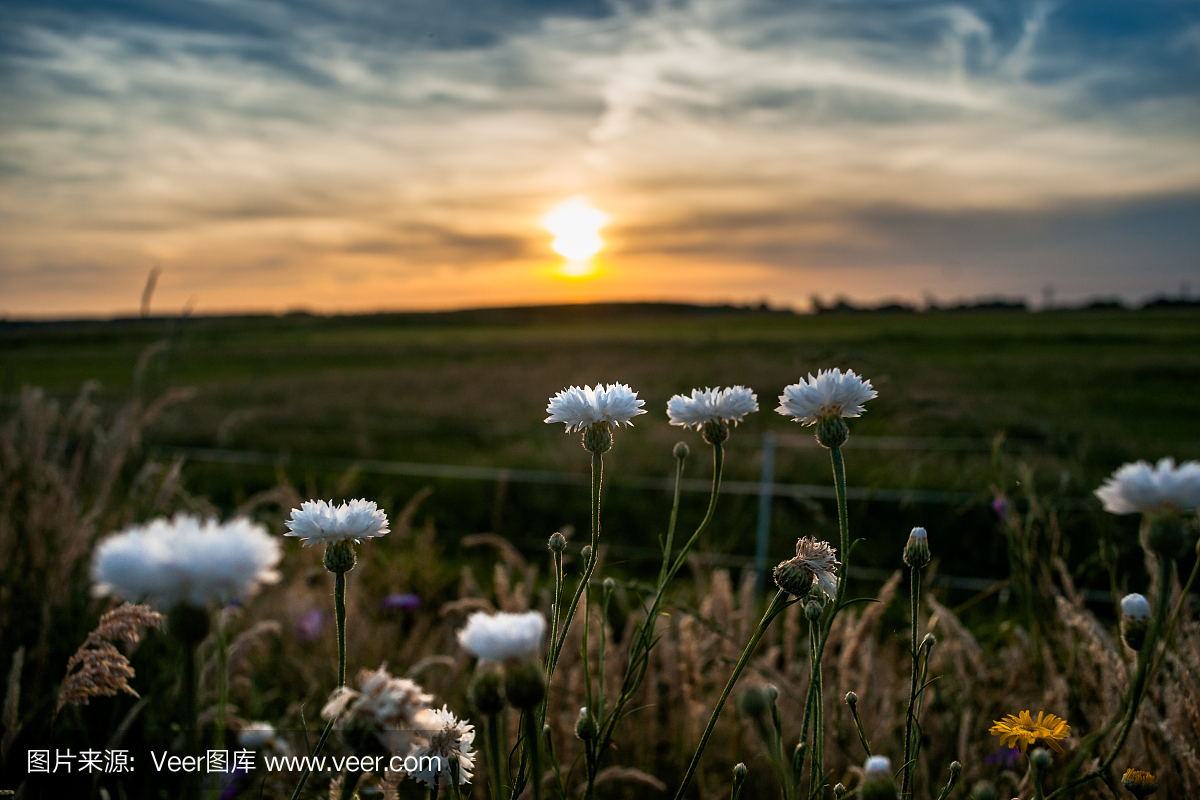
pixel 766 490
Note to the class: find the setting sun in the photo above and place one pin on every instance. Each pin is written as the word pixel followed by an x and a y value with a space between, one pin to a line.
pixel 576 228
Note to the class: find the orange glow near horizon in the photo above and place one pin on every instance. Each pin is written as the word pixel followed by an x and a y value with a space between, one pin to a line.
pixel 576 226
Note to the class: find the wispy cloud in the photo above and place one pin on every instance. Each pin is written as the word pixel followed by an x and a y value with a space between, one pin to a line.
pixel 271 154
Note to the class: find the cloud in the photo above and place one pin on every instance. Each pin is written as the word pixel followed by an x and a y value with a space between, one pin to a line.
pixel 271 145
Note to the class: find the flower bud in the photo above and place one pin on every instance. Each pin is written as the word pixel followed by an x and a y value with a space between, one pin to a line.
pixel 597 438
pixel 839 791
pixel 812 610
pixel 793 578
pixel 681 450
pixel 1139 783
pixel 486 692
pixel 524 683
pixel 928 642
pixel 1041 759
pixel 1166 535
pixel 716 431
pixel 1135 620
pixel 586 727
pixel 983 790
pixel 754 701
pixel 739 778
pixel 188 623
pixel 955 768
pixel 878 782
pixel 340 556
pixel 851 699
pixel 586 554
pixel 557 543
pixel 832 432
pixel 609 584
pixel 916 551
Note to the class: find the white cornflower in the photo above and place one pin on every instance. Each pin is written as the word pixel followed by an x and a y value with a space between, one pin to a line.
pixel 1135 607
pixel 387 706
pixel 186 559
pixel 260 736
pixel 318 522
pixel 500 637
pixel 878 767
pixel 580 409
pixel 443 735
pixel 731 404
pixel 1164 487
pixel 830 394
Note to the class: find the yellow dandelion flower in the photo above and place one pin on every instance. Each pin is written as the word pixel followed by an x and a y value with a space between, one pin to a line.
pixel 1022 731
pixel 1139 783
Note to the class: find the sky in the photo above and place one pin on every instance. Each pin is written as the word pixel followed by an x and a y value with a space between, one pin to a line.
pixel 361 155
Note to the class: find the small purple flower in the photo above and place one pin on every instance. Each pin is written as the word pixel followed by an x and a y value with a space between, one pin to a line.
pixel 1002 506
pixel 1005 757
pixel 310 626
pixel 401 602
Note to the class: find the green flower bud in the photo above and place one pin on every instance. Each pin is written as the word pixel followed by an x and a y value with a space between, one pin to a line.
pixel 586 727
pixel 839 791
pixel 1041 759
pixel 609 584
pixel 524 683
pixel 955 769
pixel 486 691
pixel 1165 534
pixel 983 790
pixel 916 551
pixel 851 699
pixel 754 701
pixel 1135 620
pixel 340 556
pixel 793 578
pixel 557 543
pixel 681 450
pixel 716 431
pixel 597 438
pixel 832 432
pixel 586 555
pixel 812 610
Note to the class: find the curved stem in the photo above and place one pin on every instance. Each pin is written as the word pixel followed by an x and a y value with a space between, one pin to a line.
pixel 779 603
pixel 556 646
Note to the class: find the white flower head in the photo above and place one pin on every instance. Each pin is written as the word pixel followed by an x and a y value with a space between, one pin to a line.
pixel 1164 487
pixel 878 767
pixel 262 735
pixel 829 394
pixel 615 404
pixel 731 404
pixel 501 637
pixel 318 522
pixel 389 707
pixel 815 564
pixel 186 559
pixel 443 735
pixel 1135 607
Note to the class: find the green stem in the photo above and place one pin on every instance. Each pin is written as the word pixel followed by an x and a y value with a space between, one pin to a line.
pixel 316 752
pixel 214 790
pixel 191 725
pixel 532 731
pixel 493 745
pixel 557 645
pixel 778 604
pixel 862 736
pixel 906 791
pixel 643 641
pixel 339 610
pixel 350 783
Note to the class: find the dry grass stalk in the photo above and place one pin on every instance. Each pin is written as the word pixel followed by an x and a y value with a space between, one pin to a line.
pixel 100 669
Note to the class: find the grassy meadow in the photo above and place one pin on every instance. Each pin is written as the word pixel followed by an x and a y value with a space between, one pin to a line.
pixel 1008 420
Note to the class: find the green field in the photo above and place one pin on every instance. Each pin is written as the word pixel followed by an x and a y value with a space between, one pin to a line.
pixel 1073 394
